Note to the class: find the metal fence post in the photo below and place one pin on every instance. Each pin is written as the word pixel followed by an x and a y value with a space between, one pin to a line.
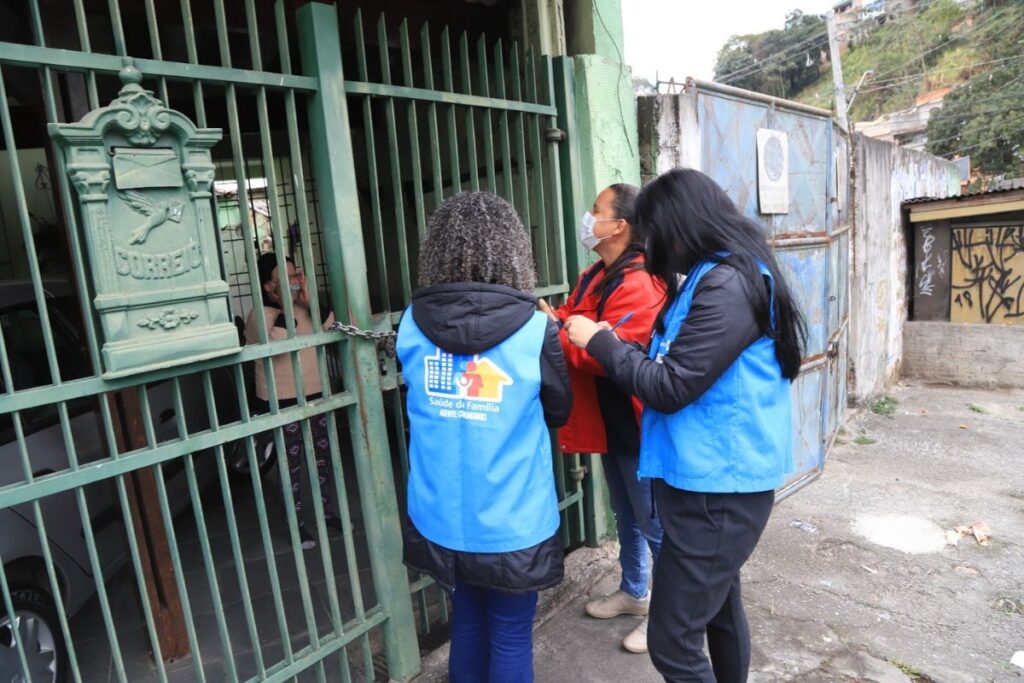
pixel 334 167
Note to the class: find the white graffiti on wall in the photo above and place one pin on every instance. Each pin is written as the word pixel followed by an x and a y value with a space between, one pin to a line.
pixel 929 269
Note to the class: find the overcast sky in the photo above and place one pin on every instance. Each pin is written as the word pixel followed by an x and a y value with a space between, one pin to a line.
pixel 681 38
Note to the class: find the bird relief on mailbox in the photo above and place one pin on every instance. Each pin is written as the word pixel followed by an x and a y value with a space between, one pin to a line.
pixel 143 174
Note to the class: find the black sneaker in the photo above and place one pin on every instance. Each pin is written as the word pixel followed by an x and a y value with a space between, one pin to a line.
pixel 334 523
pixel 307 541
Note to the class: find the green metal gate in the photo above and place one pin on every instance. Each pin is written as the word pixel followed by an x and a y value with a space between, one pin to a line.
pixel 100 479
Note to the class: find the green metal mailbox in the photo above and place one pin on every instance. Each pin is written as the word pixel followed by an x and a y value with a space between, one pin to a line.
pixel 143 173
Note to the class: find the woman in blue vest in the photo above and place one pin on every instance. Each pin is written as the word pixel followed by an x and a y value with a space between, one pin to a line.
pixel 486 378
pixel 716 433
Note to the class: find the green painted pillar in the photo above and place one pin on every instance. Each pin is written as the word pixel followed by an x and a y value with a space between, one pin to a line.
pixel 334 168
pixel 607 150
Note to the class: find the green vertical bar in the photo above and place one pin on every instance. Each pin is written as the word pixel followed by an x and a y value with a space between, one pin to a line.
pixel 193 58
pixel 537 167
pixel 84 46
pixel 117 27
pixel 433 134
pixel 414 133
pixel 467 87
pixel 556 229
pixel 12 620
pixel 523 191
pixel 453 133
pixel 229 513
pixel 572 200
pixel 506 147
pixel 335 171
pixel 154 43
pixel 371 162
pixel 261 515
pixel 395 163
pixel 485 90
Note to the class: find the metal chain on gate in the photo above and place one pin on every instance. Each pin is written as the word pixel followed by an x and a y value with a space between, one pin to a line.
pixel 384 340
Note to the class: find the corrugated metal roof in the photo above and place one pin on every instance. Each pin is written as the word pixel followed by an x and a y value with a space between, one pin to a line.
pixel 924 200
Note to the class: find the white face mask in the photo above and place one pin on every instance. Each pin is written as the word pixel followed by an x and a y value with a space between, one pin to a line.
pixel 586 230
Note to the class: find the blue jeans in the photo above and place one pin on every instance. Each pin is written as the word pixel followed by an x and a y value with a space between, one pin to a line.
pixel 492 636
pixel 638 530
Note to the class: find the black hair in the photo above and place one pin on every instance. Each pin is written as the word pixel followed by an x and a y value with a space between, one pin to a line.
pixel 689 219
pixel 266 264
pixel 624 206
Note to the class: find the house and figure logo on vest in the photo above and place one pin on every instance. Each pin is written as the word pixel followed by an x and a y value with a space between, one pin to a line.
pixel 464 387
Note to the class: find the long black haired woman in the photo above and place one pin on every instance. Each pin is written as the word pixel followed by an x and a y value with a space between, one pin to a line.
pixel 716 432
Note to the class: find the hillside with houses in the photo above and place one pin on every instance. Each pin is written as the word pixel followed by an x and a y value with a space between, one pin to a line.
pixel 945 76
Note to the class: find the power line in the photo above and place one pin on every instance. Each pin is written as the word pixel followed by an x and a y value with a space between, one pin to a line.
pixel 749 70
pixel 903 80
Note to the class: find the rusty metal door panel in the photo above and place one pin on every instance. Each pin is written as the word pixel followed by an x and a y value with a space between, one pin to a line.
pixel 808 447
pixel 808 173
pixel 812 240
pixel 729 146
pixel 806 272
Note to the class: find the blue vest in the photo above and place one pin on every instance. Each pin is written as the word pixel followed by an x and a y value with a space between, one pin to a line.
pixel 480 475
pixel 737 436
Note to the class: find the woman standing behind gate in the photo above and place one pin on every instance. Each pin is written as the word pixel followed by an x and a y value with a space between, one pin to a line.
pixel 617 289
pixel 486 379
pixel 716 432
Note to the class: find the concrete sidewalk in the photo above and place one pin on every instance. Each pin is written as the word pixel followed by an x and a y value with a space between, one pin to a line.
pixel 833 593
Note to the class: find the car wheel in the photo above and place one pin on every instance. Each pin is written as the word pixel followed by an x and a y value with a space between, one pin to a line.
pixel 238 457
pixel 37 628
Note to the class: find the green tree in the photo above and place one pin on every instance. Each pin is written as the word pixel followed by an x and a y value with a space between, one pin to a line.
pixel 778 62
pixel 984 119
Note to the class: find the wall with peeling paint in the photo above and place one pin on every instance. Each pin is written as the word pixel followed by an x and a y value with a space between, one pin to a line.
pixel 885 175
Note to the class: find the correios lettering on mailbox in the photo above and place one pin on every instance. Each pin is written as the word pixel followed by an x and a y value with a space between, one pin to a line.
pixel 143 174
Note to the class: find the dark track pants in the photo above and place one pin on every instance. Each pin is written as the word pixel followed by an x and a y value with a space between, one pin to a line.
pixel 708 537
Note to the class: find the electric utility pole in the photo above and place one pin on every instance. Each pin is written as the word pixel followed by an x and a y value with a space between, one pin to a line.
pixel 837 71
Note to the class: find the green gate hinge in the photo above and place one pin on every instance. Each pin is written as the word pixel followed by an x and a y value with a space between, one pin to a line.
pixel 578 473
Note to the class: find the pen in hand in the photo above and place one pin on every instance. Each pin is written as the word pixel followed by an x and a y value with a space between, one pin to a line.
pixel 622 321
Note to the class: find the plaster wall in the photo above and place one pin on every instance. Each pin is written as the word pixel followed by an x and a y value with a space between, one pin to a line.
pixel 885 175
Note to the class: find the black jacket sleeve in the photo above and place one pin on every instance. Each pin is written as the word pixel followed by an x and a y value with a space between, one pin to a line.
pixel 555 392
pixel 721 324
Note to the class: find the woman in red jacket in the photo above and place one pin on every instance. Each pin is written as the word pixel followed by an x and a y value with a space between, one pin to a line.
pixel 618 290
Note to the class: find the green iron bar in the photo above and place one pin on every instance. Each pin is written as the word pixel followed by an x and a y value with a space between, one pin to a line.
pixel 470 125
pixel 453 133
pixel 396 164
pixel 335 170
pixel 523 191
pixel 432 130
pixel 154 41
pixel 15 494
pixel 179 572
pixel 541 254
pixel 556 233
pixel 84 45
pixel 371 163
pixel 440 96
pixel 74 60
pixel 485 90
pixel 261 516
pixel 200 520
pixel 193 58
pixel 306 657
pixel 503 129
pixel 27 399
pixel 414 134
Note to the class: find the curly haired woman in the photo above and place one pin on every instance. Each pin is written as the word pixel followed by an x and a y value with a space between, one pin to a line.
pixel 486 379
